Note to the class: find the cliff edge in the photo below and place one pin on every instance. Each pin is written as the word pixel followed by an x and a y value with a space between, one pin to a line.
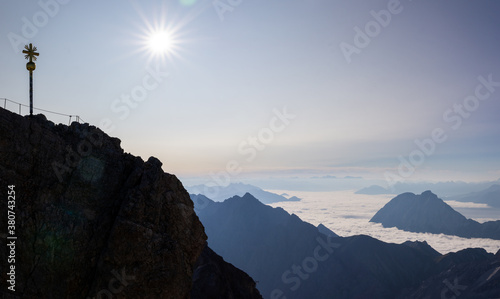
pixel 90 221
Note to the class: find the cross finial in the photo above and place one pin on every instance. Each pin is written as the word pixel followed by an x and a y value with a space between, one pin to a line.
pixel 30 52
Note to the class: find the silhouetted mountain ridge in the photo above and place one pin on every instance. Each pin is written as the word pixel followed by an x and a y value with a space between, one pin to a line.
pixel 221 193
pixel 291 258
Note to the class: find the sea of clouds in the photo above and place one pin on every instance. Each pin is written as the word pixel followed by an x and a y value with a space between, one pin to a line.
pixel 349 214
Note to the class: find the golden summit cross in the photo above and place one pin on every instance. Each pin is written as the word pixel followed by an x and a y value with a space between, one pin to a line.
pixel 31 54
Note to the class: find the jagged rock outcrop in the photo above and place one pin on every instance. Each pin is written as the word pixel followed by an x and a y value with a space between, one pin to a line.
pixel 214 279
pixel 426 213
pixel 92 221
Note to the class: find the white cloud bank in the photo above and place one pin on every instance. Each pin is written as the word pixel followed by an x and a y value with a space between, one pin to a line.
pixel 348 214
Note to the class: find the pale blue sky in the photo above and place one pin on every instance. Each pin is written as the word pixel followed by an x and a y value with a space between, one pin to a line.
pixel 229 75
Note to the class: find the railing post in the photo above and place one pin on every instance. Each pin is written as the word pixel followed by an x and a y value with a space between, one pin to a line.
pixel 19 109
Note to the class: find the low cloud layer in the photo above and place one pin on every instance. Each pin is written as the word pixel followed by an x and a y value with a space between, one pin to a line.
pixel 348 214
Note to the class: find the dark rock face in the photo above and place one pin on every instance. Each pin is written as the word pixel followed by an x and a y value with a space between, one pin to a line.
pixel 91 220
pixel 428 213
pixel 214 279
pixel 470 273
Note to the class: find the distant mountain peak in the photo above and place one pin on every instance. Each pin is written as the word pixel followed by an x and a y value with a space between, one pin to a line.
pixel 247 199
pixel 249 196
pixel 429 195
pixel 373 190
pixel 427 213
pixel 221 193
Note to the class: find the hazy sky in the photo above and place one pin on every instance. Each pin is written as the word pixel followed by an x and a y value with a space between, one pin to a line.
pixel 275 88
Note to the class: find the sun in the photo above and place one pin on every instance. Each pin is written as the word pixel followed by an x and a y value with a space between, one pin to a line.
pixel 164 33
pixel 161 36
pixel 160 42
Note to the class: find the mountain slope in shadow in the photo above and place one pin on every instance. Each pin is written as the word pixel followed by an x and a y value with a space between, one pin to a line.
pixel 290 258
pixel 426 213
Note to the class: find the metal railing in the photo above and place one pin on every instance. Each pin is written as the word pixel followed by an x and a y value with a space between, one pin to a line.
pixel 19 106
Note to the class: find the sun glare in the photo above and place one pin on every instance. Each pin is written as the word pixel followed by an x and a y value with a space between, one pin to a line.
pixel 160 42
pixel 162 34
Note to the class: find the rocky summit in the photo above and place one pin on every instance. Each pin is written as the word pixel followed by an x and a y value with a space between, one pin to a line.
pixel 426 213
pixel 91 221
